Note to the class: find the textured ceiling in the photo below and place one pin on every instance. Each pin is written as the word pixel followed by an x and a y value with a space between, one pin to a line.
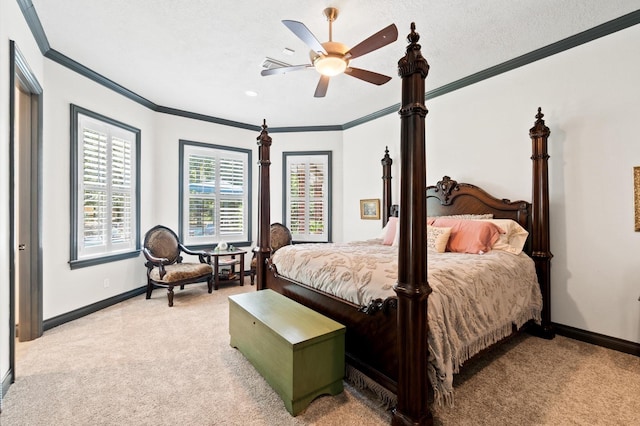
pixel 201 56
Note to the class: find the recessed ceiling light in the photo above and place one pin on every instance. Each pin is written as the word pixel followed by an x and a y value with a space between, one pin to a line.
pixel 251 93
pixel 288 51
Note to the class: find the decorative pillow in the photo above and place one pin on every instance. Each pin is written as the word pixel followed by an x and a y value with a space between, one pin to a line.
pixel 383 233
pixel 396 238
pixel 470 236
pixel 391 228
pixel 463 216
pixel 437 238
pixel 514 237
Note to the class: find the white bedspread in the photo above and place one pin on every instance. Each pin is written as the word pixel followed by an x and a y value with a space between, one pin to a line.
pixel 475 301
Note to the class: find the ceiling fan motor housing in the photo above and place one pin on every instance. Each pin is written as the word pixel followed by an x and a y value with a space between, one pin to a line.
pixel 334 62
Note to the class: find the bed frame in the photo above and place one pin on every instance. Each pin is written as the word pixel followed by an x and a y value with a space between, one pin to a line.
pixel 386 341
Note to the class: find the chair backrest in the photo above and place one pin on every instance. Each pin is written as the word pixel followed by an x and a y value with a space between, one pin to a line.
pixel 162 242
pixel 280 236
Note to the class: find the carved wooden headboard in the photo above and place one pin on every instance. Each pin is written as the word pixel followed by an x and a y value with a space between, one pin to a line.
pixel 448 197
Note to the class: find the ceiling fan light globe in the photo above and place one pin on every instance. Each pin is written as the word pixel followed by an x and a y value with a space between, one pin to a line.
pixel 330 65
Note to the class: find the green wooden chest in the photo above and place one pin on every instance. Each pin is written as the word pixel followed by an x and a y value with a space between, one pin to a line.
pixel 298 351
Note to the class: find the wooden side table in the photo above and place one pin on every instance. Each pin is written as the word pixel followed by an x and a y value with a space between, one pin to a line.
pixel 229 258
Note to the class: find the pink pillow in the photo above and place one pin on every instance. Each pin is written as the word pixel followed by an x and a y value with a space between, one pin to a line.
pixel 391 231
pixel 470 236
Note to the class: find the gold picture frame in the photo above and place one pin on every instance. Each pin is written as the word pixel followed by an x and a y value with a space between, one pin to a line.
pixel 636 191
pixel 370 208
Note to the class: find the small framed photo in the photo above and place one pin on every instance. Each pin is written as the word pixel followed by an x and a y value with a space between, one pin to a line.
pixel 370 209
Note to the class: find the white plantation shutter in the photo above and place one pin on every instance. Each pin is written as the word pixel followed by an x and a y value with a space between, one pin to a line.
pixel 201 184
pixel 122 192
pixel 317 198
pixel 307 195
pixel 231 196
pixel 215 187
pixel 106 196
pixel 95 202
pixel 297 212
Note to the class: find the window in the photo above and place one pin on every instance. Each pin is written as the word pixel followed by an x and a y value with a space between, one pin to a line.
pixel 105 156
pixel 215 194
pixel 307 189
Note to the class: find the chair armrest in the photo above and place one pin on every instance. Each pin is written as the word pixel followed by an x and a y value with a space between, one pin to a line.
pixel 154 260
pixel 202 255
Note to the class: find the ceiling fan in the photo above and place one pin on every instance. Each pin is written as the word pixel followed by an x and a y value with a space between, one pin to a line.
pixel 332 58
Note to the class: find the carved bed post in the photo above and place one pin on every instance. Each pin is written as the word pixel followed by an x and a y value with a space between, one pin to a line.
pixel 412 287
pixel 263 248
pixel 386 186
pixel 540 248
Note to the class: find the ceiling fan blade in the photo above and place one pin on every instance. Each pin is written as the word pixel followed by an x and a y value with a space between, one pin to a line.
pixel 380 39
pixel 283 70
pixel 321 89
pixel 303 33
pixel 368 76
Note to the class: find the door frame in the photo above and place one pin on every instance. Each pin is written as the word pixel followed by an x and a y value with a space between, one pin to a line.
pixel 31 300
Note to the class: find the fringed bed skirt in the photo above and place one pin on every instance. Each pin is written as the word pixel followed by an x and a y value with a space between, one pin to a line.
pixel 359 380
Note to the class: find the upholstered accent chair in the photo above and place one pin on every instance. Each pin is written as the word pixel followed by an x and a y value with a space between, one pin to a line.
pixel 280 237
pixel 165 267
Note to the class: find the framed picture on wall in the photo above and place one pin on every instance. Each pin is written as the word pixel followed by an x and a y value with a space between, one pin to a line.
pixel 370 209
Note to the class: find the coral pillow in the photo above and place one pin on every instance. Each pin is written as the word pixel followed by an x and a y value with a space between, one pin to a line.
pixel 391 228
pixel 470 236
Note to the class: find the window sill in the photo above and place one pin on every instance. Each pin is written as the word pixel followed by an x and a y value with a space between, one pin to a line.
pixel 83 263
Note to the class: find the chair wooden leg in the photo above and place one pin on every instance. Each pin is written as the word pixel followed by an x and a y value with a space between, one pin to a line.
pixel 210 284
pixel 170 295
pixel 149 289
pixel 252 272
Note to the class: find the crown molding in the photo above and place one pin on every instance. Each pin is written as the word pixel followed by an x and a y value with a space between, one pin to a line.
pixel 208 118
pixel 31 16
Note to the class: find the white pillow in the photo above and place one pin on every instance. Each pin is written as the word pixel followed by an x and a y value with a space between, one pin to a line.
pixel 437 238
pixel 513 239
pixel 396 239
pixel 383 234
pixel 464 216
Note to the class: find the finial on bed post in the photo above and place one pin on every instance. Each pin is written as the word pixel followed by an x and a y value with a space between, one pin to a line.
pixel 540 247
pixel 412 287
pixel 263 246
pixel 386 186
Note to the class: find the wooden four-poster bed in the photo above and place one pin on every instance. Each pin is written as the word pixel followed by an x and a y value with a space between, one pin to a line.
pixel 386 337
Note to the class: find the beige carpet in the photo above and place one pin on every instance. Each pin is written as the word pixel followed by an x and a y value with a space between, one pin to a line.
pixel 143 363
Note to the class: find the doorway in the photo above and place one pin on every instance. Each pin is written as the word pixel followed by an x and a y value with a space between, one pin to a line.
pixel 25 204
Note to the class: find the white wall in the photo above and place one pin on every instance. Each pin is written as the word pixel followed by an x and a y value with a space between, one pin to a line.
pixel 65 290
pixel 364 148
pixel 12 27
pixel 479 134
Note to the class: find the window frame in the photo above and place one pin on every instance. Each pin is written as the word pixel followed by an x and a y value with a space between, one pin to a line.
pixel 327 157
pixel 77 260
pixel 183 195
